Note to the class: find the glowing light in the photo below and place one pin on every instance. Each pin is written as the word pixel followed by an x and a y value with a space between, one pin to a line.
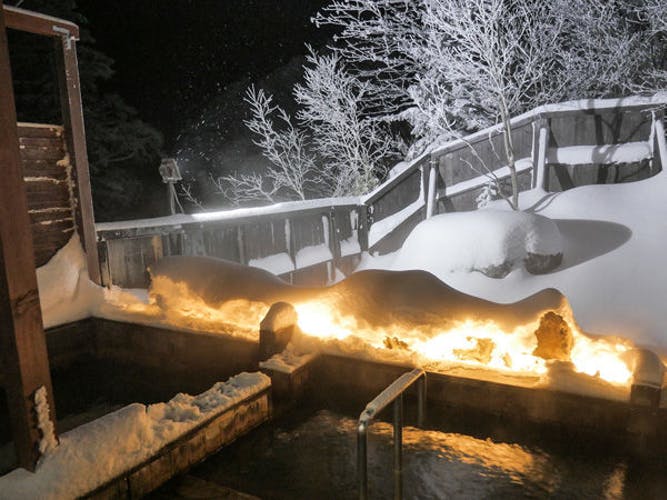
pixel 468 343
pixel 481 344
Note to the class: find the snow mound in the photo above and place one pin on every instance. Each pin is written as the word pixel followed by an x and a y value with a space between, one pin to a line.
pixel 65 291
pixel 373 298
pixel 490 241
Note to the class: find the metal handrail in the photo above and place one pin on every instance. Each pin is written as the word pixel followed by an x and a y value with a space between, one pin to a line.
pixel 393 393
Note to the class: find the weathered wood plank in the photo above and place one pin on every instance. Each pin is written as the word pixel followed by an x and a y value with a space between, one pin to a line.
pixel 47 194
pixel 44 168
pixel 39 24
pixel 75 136
pixel 22 342
pixel 39 131
pixel 34 152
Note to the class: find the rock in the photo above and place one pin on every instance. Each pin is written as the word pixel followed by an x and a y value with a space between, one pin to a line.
pixel 499 271
pixel 554 338
pixel 541 264
pixel 480 353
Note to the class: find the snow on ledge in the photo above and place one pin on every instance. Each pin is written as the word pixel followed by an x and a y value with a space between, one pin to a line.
pixel 95 453
pixel 606 154
pixel 223 215
pixel 279 263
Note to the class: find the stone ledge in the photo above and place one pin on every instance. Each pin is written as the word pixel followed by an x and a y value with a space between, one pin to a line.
pixel 189 449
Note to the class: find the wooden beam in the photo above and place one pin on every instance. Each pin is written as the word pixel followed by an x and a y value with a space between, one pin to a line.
pixel 39 24
pixel 75 136
pixel 22 341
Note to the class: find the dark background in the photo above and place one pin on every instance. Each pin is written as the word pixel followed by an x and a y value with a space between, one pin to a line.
pixel 166 79
pixel 172 57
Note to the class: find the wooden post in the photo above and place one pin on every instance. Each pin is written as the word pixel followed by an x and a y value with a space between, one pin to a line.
pixel 334 241
pixel 363 225
pixel 75 135
pixel 539 151
pixel 22 341
pixel 432 194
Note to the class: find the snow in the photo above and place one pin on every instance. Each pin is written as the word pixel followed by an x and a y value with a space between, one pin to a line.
pixel 279 263
pixel 48 441
pixel 350 246
pixel 469 241
pixel 605 154
pixel 289 360
pixel 657 99
pixel 383 227
pixel 222 215
pixel 311 255
pixel 96 452
pixel 66 293
pixel 613 271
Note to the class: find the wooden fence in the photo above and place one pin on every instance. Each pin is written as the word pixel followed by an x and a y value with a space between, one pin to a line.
pixel 306 243
pixel 47 174
pixel 303 242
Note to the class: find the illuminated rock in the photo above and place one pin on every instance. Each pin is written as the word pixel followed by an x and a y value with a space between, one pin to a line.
pixel 554 338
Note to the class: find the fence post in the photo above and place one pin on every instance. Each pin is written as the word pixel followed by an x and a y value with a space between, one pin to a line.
pixel 432 194
pixel 334 241
pixel 241 244
pixel 363 225
pixel 539 151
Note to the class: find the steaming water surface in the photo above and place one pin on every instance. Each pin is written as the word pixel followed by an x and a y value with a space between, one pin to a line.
pixel 315 459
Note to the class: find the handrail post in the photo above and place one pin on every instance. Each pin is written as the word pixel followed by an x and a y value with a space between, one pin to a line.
pixel 398 448
pixel 392 394
pixel 421 401
pixel 362 473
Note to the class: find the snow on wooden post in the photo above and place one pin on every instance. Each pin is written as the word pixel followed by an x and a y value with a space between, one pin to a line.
pixel 75 135
pixel 22 342
pixel 539 151
pixel 432 195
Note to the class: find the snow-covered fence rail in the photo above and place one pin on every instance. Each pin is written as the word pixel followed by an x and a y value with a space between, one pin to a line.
pixel 304 242
pixel 615 136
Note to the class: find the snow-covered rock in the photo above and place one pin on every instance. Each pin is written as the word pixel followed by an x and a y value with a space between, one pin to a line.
pixel 490 241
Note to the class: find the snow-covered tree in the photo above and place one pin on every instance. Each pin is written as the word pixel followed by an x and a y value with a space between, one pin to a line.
pixel 350 144
pixel 334 149
pixel 293 169
pixel 466 64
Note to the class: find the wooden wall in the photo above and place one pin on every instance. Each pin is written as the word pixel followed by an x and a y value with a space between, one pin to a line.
pixel 48 180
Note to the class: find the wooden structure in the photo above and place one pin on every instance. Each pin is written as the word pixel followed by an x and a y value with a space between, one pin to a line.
pixel 439 181
pixel 44 197
pixel 303 243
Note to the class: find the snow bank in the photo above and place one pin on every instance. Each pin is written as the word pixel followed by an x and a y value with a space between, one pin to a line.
pixel 94 453
pixel 476 241
pixel 613 271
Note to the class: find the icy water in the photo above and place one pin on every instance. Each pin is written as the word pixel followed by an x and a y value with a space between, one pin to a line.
pixel 315 459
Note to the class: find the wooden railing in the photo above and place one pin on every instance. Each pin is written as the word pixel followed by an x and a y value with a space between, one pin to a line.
pixel 307 241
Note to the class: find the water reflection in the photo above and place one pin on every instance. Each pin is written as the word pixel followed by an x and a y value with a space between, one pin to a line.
pixel 316 459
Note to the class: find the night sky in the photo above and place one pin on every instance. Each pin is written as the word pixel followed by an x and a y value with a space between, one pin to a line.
pixel 171 57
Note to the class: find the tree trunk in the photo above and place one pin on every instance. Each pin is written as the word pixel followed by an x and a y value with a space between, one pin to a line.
pixel 509 153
